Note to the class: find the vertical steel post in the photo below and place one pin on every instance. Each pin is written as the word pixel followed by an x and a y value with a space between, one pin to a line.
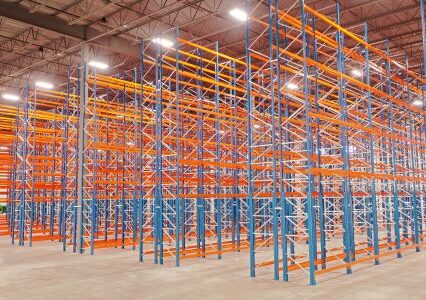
pixel 273 130
pixel 345 149
pixel 158 246
pixel 141 153
pixel 218 169
pixel 249 108
pixel 413 187
pixel 372 161
pixel 396 215
pixel 309 199
pixel 81 145
pixel 178 152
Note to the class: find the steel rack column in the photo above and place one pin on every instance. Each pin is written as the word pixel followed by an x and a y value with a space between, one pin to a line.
pixel 274 148
pixel 321 212
pixel 250 183
pixel 236 226
pixel 218 201
pixel 32 153
pixel 136 170
pixel 179 212
pixel 372 161
pixel 345 149
pixel 282 200
pixel 201 238
pixel 15 192
pixel 24 174
pixel 413 187
pixel 94 169
pixel 396 209
pixel 158 231
pixel 310 200
pixel 423 89
pixel 287 225
pixel 141 153
pixel 81 145
pixel 64 165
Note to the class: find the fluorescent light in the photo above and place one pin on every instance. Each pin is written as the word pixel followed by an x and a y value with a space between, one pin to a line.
pixel 292 86
pixel 256 126
pixel 44 85
pixel 356 73
pixel 130 144
pixel 238 14
pixel 418 103
pixel 10 97
pixel 98 65
pixel 163 42
pixel 352 149
pixel 4 148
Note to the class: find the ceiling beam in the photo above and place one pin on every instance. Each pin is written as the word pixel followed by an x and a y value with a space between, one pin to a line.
pixel 115 44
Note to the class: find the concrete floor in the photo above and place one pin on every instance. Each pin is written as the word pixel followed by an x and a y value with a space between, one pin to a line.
pixel 44 272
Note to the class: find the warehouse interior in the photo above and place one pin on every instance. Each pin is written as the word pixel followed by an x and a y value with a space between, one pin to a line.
pixel 248 149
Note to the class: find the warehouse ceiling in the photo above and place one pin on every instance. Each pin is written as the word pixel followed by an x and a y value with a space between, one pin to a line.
pixel 41 39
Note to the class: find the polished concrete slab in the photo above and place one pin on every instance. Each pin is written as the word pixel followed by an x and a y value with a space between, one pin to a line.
pixel 44 272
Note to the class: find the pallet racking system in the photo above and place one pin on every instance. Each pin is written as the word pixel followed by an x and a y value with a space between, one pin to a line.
pixel 307 153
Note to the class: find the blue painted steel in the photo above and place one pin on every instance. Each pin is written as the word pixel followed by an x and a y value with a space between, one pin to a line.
pixel 218 202
pixel 275 207
pixel 141 154
pixel 309 199
pixel 321 212
pixel 158 226
pixel 136 174
pixel 94 175
pixel 373 181
pixel 345 149
pixel 413 187
pixel 249 108
pixel 179 211
pixel 396 210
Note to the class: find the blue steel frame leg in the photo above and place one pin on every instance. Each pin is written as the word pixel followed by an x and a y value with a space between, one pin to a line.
pixel 274 158
pixel 413 167
pixel 218 169
pixel 178 154
pixel 81 148
pixel 250 150
pixel 321 217
pixel 343 136
pixel 373 181
pixel 396 215
pixel 310 200
pixel 158 226
pixel 141 154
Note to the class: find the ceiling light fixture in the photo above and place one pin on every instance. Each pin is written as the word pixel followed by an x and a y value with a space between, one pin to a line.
pixel 356 73
pixel 418 103
pixel 98 65
pixel 163 42
pixel 292 86
pixel 10 97
pixel 44 85
pixel 238 14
